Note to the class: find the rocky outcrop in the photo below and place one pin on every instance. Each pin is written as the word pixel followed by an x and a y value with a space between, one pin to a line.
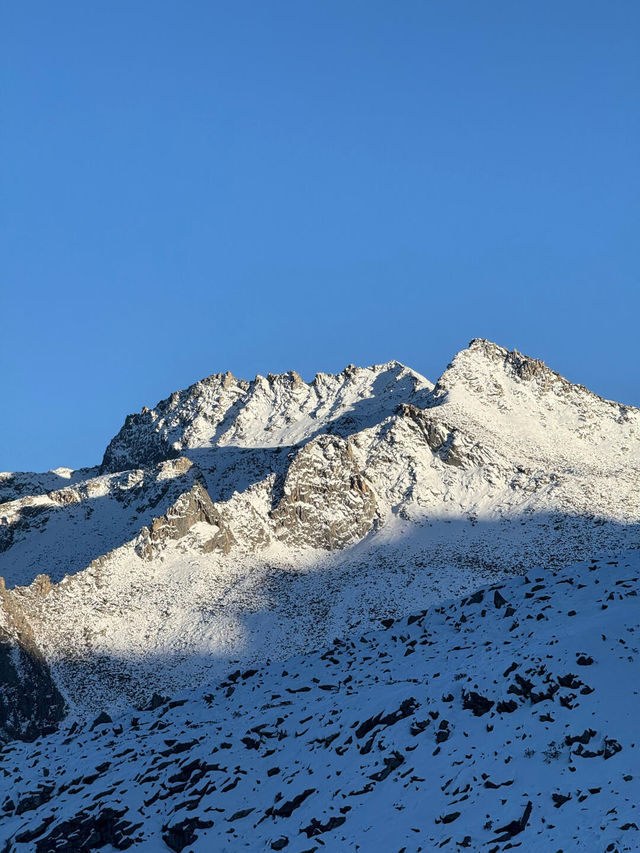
pixel 136 446
pixel 326 502
pixel 190 508
pixel 447 442
pixel 522 366
pixel 30 703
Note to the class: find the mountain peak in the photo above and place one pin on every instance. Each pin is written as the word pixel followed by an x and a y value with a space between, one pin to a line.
pixel 238 527
pixel 523 366
pixel 488 361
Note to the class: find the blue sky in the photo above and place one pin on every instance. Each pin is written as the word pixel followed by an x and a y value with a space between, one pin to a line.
pixel 261 186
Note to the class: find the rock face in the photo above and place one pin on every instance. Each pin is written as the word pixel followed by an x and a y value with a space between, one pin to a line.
pixel 245 520
pixel 30 703
pixel 326 501
pixel 191 507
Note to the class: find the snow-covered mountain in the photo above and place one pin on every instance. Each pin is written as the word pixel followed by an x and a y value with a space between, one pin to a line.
pixel 244 520
pixel 245 525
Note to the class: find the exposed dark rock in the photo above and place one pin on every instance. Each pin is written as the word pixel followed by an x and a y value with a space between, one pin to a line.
pixel 102 719
pixel 584 738
pixel 449 818
pixel 288 808
pixel 317 828
pixel 31 834
pixel 570 680
pixel 476 703
pixel 34 799
pixel 498 599
pixel 407 707
pixel 177 836
pixel 611 747
pixel 515 827
pixel 155 702
pixel 86 832
pixel 391 762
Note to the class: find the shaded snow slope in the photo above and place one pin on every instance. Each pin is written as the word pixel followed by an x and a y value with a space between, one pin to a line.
pixel 128 624
pixel 504 719
pixel 30 702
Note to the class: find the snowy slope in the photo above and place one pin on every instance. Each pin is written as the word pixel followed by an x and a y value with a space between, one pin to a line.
pixel 504 719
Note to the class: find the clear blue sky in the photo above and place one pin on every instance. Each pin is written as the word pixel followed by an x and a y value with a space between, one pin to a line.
pixel 192 187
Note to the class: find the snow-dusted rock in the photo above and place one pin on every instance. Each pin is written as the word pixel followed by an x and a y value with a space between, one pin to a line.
pixel 326 502
pixel 221 411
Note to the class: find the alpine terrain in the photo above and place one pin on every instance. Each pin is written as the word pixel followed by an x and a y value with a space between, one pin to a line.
pixel 365 613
